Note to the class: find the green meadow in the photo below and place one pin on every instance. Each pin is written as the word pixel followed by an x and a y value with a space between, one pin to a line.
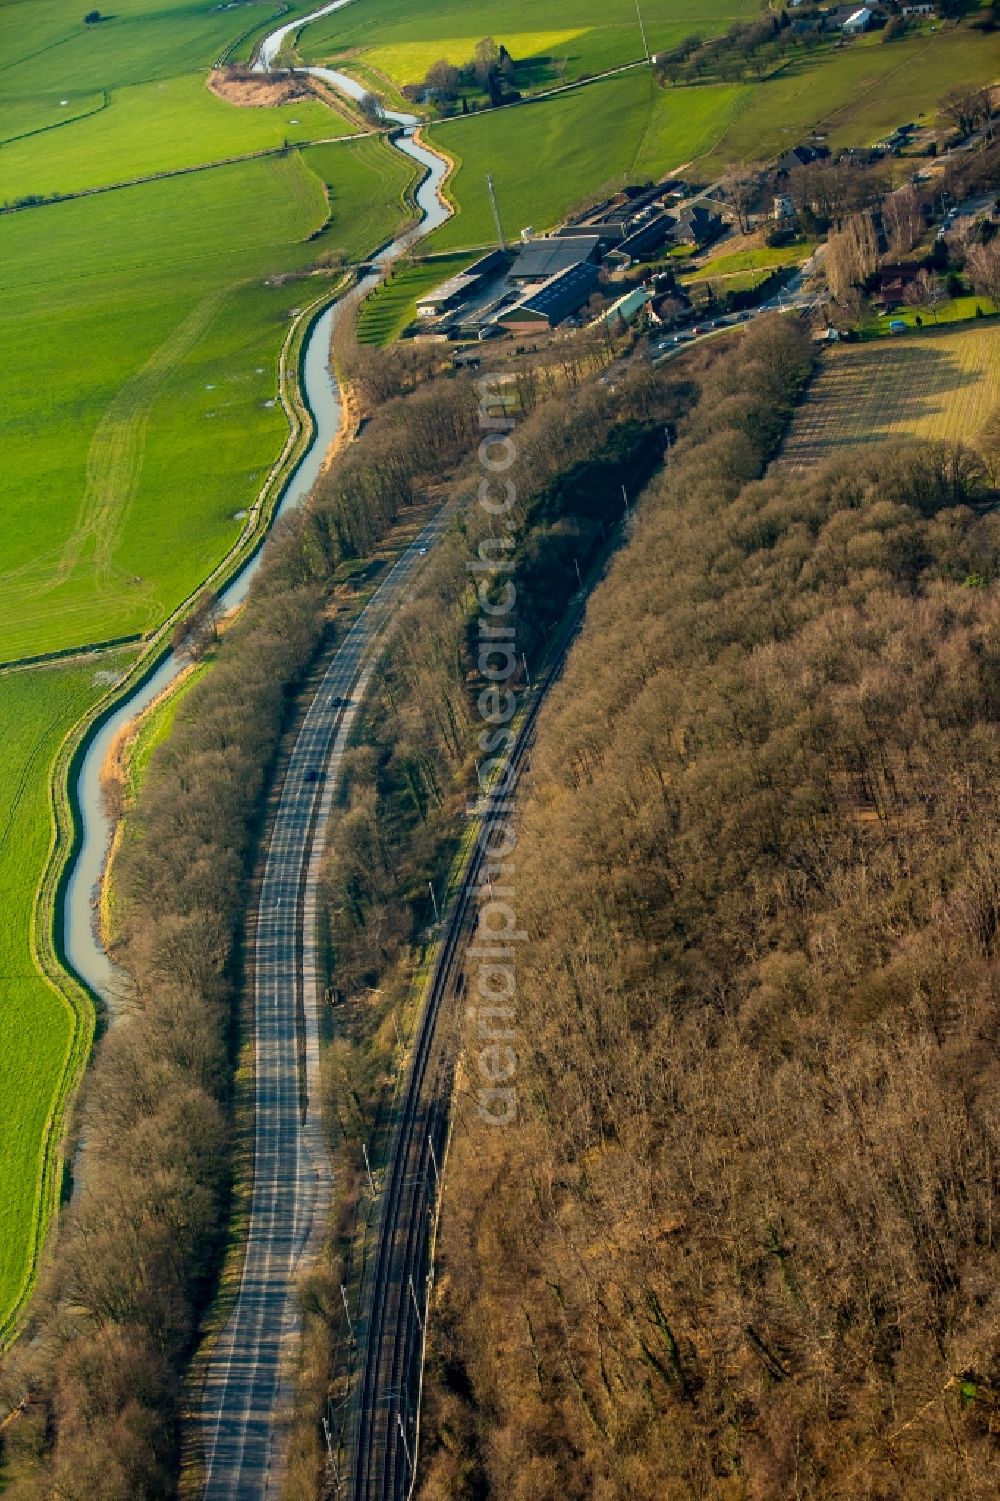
pixel 36 710
pixel 47 52
pixel 138 395
pixel 45 112
pixel 156 127
pixel 139 410
pixel 550 156
pixel 561 41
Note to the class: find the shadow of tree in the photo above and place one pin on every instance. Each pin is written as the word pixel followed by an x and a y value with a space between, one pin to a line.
pixel 869 394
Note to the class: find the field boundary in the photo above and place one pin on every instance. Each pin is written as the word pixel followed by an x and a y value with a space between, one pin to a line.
pixel 70 653
pixel 41 130
pixel 44 201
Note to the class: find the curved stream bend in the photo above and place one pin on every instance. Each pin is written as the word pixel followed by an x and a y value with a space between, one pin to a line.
pixel 85 954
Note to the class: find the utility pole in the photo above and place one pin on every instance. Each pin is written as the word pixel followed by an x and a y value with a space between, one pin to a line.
pixel 368 1168
pixel 406 1447
pixel 430 888
pixel 625 498
pixel 350 1326
pixel 491 189
pixel 527 674
pixel 416 1305
pixel 437 1175
pixel 642 28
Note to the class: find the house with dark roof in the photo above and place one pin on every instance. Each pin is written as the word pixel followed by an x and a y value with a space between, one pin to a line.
pixel 895 281
pixel 802 156
pixel 540 259
pixel 696 226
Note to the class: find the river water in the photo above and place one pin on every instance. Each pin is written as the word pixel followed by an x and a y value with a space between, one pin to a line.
pixel 84 952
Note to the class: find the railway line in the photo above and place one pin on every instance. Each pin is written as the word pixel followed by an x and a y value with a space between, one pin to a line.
pixel 382 1434
pixel 244 1380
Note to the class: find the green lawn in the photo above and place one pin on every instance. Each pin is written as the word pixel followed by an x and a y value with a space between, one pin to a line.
pixel 764 258
pixel 393 305
pixel 732 281
pixel 36 710
pixel 954 310
pixel 126 465
pixel 562 40
pixel 153 127
pixel 550 156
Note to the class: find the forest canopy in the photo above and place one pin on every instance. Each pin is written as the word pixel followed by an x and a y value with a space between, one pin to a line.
pixel 741 1242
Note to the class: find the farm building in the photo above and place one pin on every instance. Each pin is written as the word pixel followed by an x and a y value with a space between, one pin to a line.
pixel 647 236
pixel 457 289
pixel 556 299
pixel 538 260
pixel 618 218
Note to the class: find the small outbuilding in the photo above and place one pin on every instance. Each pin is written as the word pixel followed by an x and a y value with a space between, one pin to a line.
pixel 858 21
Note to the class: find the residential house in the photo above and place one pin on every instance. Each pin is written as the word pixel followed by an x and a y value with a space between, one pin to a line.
pixel 696 226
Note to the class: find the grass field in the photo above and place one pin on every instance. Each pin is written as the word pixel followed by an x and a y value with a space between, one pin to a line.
pixel 548 157
pixel 931 385
pixel 856 95
pixel 154 127
pixel 36 710
pixel 20 117
pixel 563 40
pixel 125 468
pixel 393 305
pixel 46 51
pixel 141 329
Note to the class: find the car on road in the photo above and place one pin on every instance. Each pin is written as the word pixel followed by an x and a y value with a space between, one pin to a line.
pixel 423 552
pixel 312 775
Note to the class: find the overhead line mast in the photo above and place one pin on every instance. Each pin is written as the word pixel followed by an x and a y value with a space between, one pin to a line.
pixel 642 28
pixel 496 210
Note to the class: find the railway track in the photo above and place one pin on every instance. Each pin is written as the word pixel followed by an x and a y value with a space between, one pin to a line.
pixel 382 1438
pixel 244 1377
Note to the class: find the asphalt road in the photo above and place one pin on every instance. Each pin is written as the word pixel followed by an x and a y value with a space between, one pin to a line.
pixel 247 1375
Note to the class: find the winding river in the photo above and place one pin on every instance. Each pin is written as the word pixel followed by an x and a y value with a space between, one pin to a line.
pixel 83 949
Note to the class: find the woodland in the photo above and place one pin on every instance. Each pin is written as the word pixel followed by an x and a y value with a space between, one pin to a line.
pixel 740 1242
